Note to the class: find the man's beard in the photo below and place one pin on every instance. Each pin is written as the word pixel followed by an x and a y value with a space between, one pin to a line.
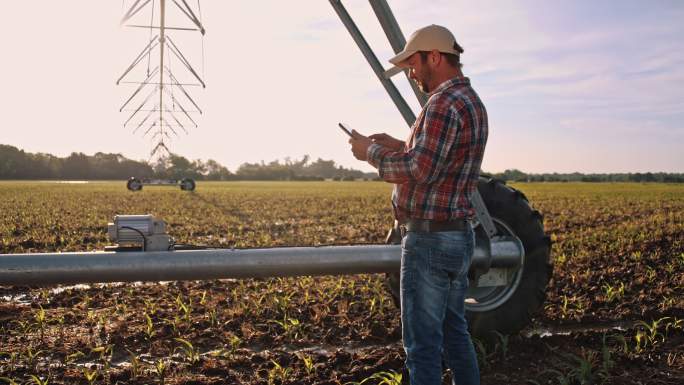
pixel 425 78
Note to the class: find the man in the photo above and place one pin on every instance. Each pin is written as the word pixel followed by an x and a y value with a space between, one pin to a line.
pixel 435 173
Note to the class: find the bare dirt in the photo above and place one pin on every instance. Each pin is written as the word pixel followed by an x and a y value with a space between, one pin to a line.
pixel 614 312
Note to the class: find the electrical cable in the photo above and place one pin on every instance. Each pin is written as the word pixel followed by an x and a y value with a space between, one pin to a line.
pixel 139 232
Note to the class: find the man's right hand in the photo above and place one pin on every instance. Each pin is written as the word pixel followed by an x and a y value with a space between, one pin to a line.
pixel 387 141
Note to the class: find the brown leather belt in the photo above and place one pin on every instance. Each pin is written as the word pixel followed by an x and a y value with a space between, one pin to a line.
pixel 430 226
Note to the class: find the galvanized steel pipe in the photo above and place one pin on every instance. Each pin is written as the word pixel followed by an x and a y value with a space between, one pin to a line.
pixel 129 266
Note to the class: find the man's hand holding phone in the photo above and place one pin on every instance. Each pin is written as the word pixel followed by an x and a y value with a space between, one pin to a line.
pixel 358 142
pixel 387 141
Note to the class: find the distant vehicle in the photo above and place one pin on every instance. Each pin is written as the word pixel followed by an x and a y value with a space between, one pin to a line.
pixel 135 184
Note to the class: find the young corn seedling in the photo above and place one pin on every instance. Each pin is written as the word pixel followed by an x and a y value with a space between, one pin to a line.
pixel 614 293
pixel 190 352
pixel 174 323
pixel 150 306
pixel 503 343
pixel 371 306
pixel 674 325
pixel 31 356
pixel 380 303
pixel 234 295
pixel 213 317
pixel 290 326
pixel 308 363
pixel 234 343
pixel 105 353
pixel 91 318
pixel 135 364
pixel 12 358
pixel 41 322
pixel 184 308
pixel 149 327
pixel 283 302
pixel 73 357
pixel 36 380
pixel 307 296
pixel 583 373
pixel 9 381
pixel 86 301
pixel 60 321
pixel 640 341
pixel 564 306
pixel 562 378
pixel 672 358
pixel 653 336
pixel 277 372
pixel 382 378
pixel 90 375
pixel 482 355
pixel 45 295
pixel 122 309
pixel 607 362
pixel 160 368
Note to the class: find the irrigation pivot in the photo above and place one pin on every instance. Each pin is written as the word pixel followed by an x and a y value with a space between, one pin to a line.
pixel 511 265
pixel 161 105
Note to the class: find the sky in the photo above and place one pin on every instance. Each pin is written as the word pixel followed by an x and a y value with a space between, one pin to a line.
pixel 586 86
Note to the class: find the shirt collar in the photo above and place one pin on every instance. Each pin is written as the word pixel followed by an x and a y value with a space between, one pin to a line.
pixel 450 83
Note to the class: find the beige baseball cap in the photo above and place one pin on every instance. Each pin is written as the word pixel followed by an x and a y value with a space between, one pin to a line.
pixel 432 37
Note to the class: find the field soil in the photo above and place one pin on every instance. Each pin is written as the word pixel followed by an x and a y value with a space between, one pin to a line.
pixel 614 312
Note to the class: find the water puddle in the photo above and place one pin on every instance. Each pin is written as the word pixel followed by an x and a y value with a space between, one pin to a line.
pixel 65 181
pixel 324 350
pixel 124 361
pixel 566 330
pixel 76 287
pixel 81 286
pixel 18 299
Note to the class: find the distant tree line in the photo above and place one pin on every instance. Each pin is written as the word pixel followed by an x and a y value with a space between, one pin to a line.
pixel 18 164
pixel 514 175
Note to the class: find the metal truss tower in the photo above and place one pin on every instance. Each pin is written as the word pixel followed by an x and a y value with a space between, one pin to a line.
pixel 161 103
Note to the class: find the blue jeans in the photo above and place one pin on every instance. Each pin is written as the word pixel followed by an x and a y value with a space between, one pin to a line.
pixel 434 280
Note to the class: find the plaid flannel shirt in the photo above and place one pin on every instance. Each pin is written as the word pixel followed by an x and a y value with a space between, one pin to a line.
pixel 437 172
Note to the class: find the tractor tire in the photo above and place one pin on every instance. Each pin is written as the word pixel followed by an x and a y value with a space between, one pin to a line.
pixel 187 184
pixel 134 184
pixel 506 309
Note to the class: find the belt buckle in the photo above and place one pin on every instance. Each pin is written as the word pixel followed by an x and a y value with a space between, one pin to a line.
pixel 402 230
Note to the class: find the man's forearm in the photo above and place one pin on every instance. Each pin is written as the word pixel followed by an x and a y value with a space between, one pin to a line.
pixel 377 154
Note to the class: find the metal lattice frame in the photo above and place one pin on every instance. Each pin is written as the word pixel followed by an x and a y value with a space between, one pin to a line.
pixel 153 111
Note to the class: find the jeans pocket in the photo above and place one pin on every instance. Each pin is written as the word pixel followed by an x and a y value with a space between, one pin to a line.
pixel 445 263
pixel 451 254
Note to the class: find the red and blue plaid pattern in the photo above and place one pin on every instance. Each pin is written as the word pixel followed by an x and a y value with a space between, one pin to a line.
pixel 437 172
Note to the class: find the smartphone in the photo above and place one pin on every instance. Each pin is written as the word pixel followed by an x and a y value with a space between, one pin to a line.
pixel 345 129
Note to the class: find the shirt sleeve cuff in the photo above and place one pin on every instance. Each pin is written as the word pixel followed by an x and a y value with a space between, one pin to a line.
pixel 375 154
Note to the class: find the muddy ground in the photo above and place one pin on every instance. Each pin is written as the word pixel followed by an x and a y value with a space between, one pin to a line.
pixel 614 312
